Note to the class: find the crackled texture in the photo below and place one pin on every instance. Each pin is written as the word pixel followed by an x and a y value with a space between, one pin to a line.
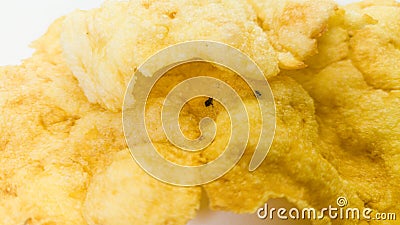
pixel 103 47
pixel 376 48
pixel 356 97
pixel 56 149
pixel 364 125
pixel 295 169
pixel 64 160
pixel 146 202
pixel 293 27
pixel 193 111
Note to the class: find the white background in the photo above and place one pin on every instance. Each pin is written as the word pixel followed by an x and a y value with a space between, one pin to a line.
pixel 21 22
pixel 24 21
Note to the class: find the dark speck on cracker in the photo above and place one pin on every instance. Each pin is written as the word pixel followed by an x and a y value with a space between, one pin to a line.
pixel 208 102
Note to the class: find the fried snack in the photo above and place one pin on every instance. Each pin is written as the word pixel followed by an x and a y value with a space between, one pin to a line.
pixel 118 186
pixel 357 135
pixel 192 112
pixel 56 149
pixel 376 49
pixel 293 27
pixel 64 159
pixel 367 136
pixel 295 169
pixel 103 47
pixel 356 93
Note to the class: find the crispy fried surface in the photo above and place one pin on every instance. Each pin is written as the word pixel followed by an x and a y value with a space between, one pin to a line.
pixel 363 123
pixel 354 145
pixel 356 97
pixel 293 27
pixel 103 47
pixel 146 202
pixel 56 149
pixel 376 48
pixel 294 168
pixel 64 160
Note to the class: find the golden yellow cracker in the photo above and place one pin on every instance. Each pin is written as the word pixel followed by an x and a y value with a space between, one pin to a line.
pixel 54 144
pixel 104 46
pixel 294 169
pixel 376 48
pixel 193 111
pixel 57 149
pixel 40 103
pixel 361 122
pixel 124 194
pixel 357 103
pixel 293 27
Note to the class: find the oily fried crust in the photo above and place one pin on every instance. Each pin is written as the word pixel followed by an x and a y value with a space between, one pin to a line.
pixel 40 103
pixel 103 47
pixel 57 149
pixel 356 101
pixel 375 50
pixel 294 169
pixel 293 27
pixel 123 186
pixel 55 144
pixel 359 142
